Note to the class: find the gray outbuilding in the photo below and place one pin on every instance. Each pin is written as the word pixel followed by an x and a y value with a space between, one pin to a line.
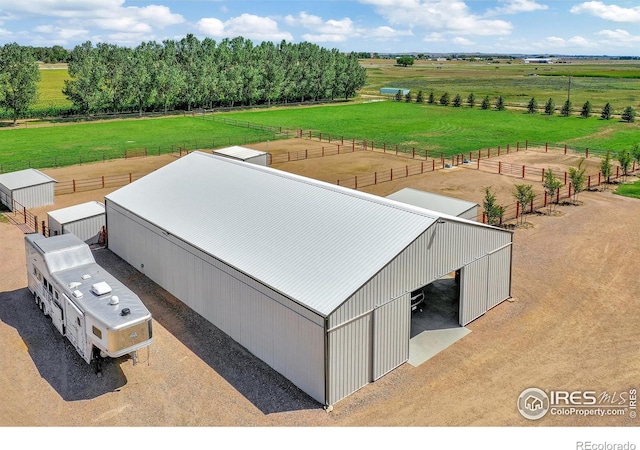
pixel 245 154
pixel 27 188
pixel 436 202
pixel 86 220
pixel 312 278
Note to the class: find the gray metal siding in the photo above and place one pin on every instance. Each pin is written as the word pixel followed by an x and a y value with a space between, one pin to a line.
pixel 473 291
pixel 499 277
pixel 392 330
pixel 349 358
pixel 6 197
pixel 87 229
pixel 283 334
pixel 35 196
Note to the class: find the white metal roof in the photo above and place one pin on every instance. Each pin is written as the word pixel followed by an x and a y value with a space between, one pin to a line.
pixel 77 212
pixel 238 152
pixel 315 242
pixel 435 202
pixel 24 178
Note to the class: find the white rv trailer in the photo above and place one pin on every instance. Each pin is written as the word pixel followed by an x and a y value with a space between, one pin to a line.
pixel 99 315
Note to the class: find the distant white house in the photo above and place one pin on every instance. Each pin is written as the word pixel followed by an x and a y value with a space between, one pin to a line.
pixel 538 60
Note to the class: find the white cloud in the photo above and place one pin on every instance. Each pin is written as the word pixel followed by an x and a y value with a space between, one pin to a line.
pixel 573 42
pixel 447 16
pixel 619 37
pixel 462 41
pixel 613 13
pixel 434 37
pixel 324 30
pixel 246 25
pixel 518 6
pixel 386 32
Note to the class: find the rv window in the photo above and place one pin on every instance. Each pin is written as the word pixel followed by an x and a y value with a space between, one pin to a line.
pixel 78 320
pixel 46 283
pixel 56 294
pixel 97 332
pixel 50 288
pixel 39 277
pixel 35 271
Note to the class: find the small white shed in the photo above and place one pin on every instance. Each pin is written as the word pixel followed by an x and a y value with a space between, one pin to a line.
pixel 435 202
pixel 244 154
pixel 27 188
pixel 85 220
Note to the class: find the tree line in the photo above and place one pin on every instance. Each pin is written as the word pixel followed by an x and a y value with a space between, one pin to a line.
pixel 184 74
pixel 628 114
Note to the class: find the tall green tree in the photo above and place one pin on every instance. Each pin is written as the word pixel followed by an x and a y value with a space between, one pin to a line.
pixel 493 212
pixel 432 98
pixel 566 109
pixel 586 110
pixel 524 195
pixel 607 112
pixel 457 101
pixel 606 168
pixel 420 97
pixel 625 159
pixel 629 114
pixel 578 179
pixel 19 76
pixel 169 77
pixel 551 185
pixel 444 99
pixel 485 103
pixel 500 106
pixel 471 100
pixel 532 107
pixel 549 107
pixel 635 153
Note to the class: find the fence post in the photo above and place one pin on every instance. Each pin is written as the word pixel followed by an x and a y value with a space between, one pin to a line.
pixel 543 177
pixel 406 172
pixel 391 174
pixel 586 152
pixel 565 178
pixel 589 182
pixel 546 146
pixel 558 196
pixel 565 149
pixel 599 178
pixel 498 150
pixel 478 161
pixel 421 166
pixel 518 146
pixel 489 152
pixel 414 153
pixel 526 144
pixel 375 177
pixel 396 149
pixel 523 171
pixel 517 210
pixel 484 217
pixel 500 170
pixel 129 177
pixel 24 213
pixel 74 185
pixel 356 181
pixel 545 198
pixel 433 161
pixel 384 147
pixel 102 181
pixel 531 207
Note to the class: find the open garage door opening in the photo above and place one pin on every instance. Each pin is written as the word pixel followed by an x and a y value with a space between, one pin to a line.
pixel 435 318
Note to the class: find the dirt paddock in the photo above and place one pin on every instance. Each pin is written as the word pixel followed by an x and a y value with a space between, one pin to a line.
pixel 572 324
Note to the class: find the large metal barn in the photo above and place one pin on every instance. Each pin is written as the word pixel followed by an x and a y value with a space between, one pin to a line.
pixel 312 278
pixel 27 188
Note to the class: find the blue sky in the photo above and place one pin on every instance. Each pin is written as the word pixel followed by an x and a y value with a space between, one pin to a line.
pixel 386 26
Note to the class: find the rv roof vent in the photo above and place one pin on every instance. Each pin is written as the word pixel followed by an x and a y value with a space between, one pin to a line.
pixel 101 288
pixel 74 284
pixel 125 312
pixel 114 300
pixel 77 294
pixel 86 276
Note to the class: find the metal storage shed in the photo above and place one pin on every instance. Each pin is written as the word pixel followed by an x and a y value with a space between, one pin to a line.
pixel 312 278
pixel 441 203
pixel 27 188
pixel 245 154
pixel 85 220
pixel 394 91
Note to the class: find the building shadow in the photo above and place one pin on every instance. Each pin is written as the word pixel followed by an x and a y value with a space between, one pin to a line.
pixel 264 387
pixel 54 356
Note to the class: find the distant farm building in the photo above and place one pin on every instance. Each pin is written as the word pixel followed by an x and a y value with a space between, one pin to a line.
pixel 85 220
pixel 314 279
pixel 435 202
pixel 27 188
pixel 538 60
pixel 394 91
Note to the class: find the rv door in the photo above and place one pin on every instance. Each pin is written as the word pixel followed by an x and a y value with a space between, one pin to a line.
pixel 75 326
pixel 57 315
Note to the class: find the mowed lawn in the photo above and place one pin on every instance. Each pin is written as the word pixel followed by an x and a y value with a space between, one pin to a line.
pixel 67 144
pixel 449 129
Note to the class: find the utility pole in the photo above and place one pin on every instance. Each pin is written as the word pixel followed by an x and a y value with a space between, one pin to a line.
pixel 569 90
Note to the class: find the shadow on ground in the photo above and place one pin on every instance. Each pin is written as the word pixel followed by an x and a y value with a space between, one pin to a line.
pixel 53 355
pixel 265 388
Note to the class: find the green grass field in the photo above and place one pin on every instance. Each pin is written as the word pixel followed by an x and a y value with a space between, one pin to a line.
pixel 448 129
pixel 50 89
pixel 432 127
pixel 629 190
pixel 598 81
pixel 69 144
